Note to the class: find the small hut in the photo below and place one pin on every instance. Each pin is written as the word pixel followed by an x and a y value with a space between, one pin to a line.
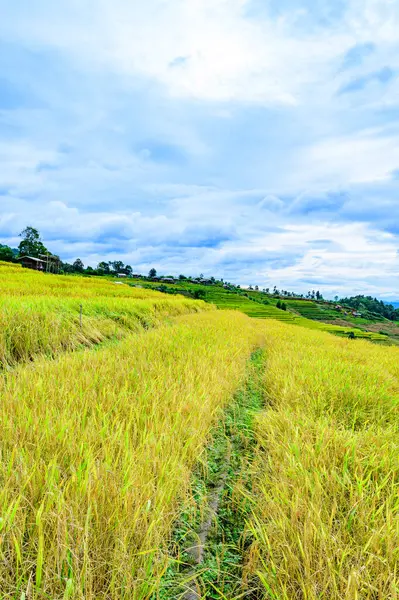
pixel 52 263
pixel 31 262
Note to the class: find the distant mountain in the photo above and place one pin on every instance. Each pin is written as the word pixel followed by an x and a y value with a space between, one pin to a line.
pixel 15 251
pixel 394 304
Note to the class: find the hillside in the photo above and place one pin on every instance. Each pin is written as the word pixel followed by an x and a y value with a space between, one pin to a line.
pixel 156 446
pixel 47 314
pixel 306 313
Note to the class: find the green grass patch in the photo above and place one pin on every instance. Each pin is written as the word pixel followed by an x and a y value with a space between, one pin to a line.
pixel 224 470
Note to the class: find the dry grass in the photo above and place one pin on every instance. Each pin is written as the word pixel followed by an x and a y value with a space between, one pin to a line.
pixel 16 281
pixel 326 520
pixel 97 449
pixel 39 313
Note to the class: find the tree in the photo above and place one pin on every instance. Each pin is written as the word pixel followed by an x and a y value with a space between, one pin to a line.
pixel 336 298
pixel 7 254
pixel 371 307
pixel 152 273
pixel 199 294
pixel 31 244
pixel 278 305
pixel 78 266
pixel 103 268
pixel 66 268
pixel 128 270
pixel 117 266
pixel 256 288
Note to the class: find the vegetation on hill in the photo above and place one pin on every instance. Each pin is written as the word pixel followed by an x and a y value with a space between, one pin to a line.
pixel 7 254
pixel 311 306
pixel 371 306
pixel 305 313
pixel 31 243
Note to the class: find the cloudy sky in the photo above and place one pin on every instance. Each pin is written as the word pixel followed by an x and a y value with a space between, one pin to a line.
pixel 255 140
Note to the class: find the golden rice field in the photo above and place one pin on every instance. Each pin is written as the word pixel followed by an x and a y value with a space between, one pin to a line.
pixel 99 448
pixel 325 520
pixel 40 313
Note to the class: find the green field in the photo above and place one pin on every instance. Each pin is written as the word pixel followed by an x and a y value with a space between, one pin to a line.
pixel 313 310
pixel 305 313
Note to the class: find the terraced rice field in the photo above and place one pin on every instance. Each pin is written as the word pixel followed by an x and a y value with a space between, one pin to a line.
pixel 325 518
pixel 97 450
pixel 40 313
pixel 313 310
pixel 228 300
pixel 203 454
pixel 342 331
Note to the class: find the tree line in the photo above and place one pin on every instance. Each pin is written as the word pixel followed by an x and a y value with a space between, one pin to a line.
pixel 32 245
pixel 372 306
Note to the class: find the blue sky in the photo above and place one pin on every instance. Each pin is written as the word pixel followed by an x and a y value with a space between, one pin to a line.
pixel 255 140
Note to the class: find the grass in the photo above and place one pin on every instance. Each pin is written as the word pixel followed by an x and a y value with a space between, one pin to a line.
pixel 40 314
pixel 325 520
pixel 97 449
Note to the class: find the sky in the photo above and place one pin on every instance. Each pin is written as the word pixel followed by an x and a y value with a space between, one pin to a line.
pixel 252 140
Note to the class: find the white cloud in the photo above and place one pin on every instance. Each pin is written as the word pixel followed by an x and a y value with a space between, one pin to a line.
pixel 362 258
pixel 247 106
pixel 19 160
pixel 367 156
pixel 206 49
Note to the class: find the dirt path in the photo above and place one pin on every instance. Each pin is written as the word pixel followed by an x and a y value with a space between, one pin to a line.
pixel 197 552
pixel 208 549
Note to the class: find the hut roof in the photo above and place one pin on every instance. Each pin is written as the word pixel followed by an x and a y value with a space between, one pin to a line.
pixel 31 258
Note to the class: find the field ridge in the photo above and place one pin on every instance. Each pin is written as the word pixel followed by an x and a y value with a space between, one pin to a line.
pixel 207 551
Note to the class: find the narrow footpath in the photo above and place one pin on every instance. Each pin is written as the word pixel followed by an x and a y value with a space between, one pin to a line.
pixel 209 541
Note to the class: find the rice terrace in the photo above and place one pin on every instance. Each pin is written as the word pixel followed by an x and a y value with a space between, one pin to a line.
pixel 199 300
pixel 189 439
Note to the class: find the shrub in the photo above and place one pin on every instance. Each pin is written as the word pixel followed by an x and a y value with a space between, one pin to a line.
pixel 199 294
